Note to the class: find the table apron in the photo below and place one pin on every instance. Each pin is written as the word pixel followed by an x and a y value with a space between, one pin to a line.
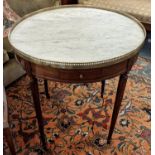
pixel 77 75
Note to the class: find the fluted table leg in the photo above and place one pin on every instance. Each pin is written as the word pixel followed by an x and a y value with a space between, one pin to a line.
pixel 36 101
pixel 119 97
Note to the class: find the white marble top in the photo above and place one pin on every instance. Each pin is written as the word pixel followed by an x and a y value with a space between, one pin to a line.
pixel 76 36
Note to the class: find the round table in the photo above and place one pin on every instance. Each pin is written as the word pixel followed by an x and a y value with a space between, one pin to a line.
pixel 77 44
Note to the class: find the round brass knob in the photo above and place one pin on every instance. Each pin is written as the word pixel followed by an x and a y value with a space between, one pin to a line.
pixel 81 76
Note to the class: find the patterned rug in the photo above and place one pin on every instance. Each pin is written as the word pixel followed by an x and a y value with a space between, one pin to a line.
pixel 77 119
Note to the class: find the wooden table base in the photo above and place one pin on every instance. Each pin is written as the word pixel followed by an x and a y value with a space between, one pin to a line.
pixel 36 100
pixel 74 76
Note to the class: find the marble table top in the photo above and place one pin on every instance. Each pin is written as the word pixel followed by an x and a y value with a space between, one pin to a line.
pixel 77 37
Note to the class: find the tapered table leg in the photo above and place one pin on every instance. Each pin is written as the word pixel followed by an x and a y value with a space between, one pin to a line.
pixel 102 88
pixel 46 89
pixel 119 97
pixel 36 100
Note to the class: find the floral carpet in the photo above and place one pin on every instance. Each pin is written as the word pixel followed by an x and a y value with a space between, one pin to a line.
pixel 77 119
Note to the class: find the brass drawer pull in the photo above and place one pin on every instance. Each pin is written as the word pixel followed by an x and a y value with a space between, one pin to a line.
pixel 81 76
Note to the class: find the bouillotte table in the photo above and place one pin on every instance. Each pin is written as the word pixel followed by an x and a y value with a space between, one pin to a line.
pixel 77 44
